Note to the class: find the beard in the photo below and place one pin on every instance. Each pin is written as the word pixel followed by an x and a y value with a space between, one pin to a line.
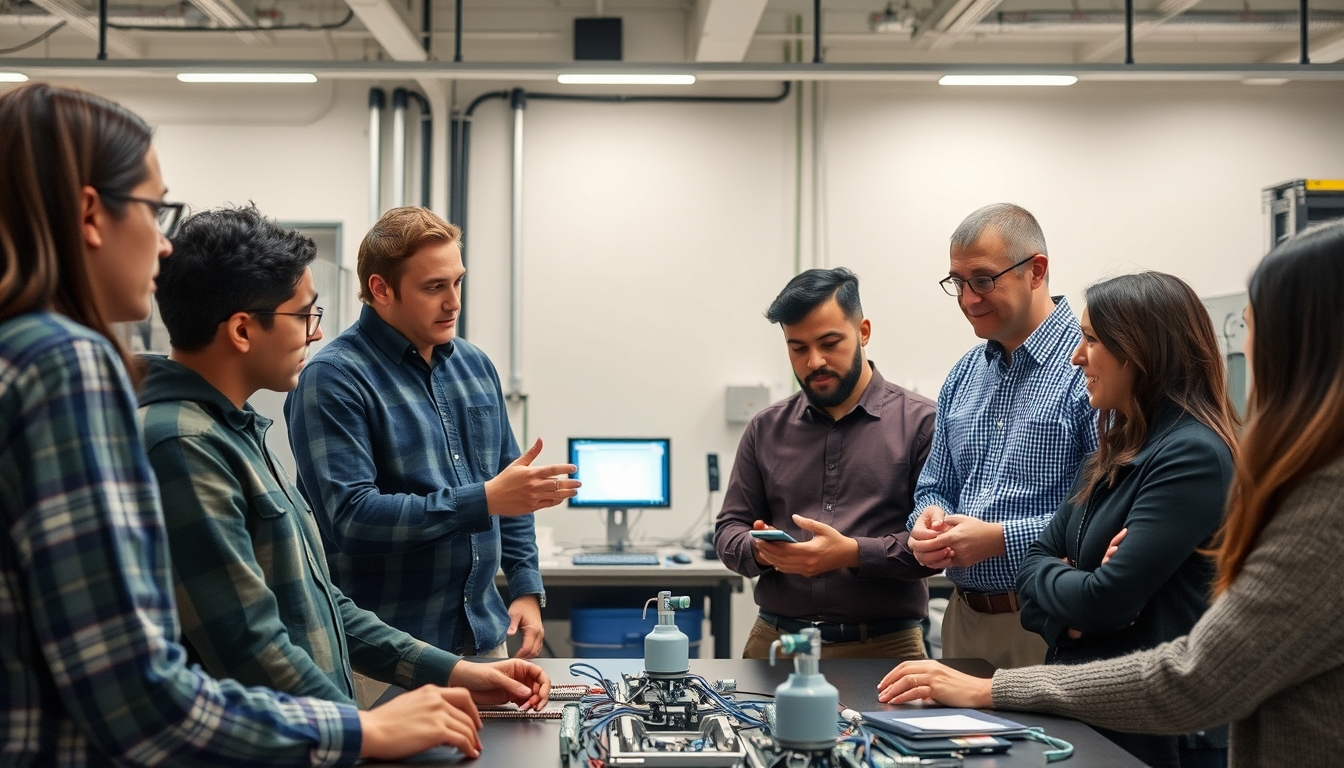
pixel 844 387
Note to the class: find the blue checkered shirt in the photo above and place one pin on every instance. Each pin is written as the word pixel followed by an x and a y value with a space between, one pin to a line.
pixel 393 454
pixel 1008 441
pixel 93 672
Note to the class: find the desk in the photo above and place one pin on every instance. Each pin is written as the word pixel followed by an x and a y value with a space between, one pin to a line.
pixel 569 586
pixel 511 744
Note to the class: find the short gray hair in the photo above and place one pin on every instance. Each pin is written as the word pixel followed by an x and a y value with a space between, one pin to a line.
pixel 1015 224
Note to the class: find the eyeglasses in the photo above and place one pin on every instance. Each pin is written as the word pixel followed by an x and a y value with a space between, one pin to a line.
pixel 314 318
pixel 953 286
pixel 169 215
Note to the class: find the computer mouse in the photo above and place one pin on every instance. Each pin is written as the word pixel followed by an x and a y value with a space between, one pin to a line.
pixel 680 557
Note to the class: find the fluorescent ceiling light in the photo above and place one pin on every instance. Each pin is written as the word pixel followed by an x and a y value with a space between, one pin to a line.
pixel 1008 80
pixel 1264 81
pixel 247 77
pixel 627 79
pixel 13 77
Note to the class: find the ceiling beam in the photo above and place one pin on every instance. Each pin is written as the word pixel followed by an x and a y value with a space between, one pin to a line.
pixel 721 30
pixel 964 23
pixel 939 19
pixel 1167 11
pixel 1326 50
pixel 711 74
pixel 77 18
pixel 227 14
pixel 390 28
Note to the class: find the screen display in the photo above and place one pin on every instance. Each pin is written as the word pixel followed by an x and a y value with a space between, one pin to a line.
pixel 622 472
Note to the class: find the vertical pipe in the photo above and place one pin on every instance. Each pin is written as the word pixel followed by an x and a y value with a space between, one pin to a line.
pixel 377 100
pixel 1304 57
pixel 518 100
pixel 816 31
pixel 457 32
pixel 1129 31
pixel 102 30
pixel 463 176
pixel 426 148
pixel 399 99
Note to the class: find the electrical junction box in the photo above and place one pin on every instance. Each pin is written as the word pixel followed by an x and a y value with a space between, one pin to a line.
pixel 741 403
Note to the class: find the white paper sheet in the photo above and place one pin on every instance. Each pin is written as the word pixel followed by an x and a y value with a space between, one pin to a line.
pixel 951 723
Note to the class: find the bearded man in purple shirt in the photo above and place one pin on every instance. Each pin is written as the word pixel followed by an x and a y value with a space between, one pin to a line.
pixel 834 466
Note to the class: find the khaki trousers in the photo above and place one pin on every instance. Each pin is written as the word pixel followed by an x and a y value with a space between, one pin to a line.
pixel 906 644
pixel 995 637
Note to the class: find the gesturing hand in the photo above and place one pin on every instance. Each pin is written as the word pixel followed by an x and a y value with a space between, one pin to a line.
pixel 503 682
pixel 522 488
pixel 430 716
pixel 827 550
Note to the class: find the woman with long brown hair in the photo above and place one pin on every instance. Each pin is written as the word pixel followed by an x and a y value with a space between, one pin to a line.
pixel 1268 655
pixel 93 672
pixel 1118 569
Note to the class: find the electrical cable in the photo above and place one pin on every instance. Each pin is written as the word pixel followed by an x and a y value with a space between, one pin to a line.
pixel 349 16
pixel 1059 748
pixel 24 46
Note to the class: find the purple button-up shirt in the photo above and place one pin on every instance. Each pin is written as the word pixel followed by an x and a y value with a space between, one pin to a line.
pixel 856 475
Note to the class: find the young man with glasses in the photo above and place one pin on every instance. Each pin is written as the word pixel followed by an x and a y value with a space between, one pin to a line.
pixel 256 600
pixel 1013 425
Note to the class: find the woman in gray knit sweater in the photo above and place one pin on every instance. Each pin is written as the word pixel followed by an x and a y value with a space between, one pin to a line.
pixel 1268 656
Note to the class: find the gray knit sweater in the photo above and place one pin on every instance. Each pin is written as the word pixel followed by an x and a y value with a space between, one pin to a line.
pixel 1268 656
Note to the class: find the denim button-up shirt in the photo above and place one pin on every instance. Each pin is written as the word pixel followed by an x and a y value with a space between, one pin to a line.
pixel 393 454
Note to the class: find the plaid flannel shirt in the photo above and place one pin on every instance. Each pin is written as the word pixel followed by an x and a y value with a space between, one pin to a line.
pixel 253 591
pixel 93 672
pixel 393 454
pixel 1007 442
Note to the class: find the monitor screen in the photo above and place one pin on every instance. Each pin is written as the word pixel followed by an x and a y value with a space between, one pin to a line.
pixel 622 472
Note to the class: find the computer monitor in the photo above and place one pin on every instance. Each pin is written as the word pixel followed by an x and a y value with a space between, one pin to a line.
pixel 621 473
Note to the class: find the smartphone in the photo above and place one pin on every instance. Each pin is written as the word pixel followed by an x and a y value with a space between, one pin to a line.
pixel 773 534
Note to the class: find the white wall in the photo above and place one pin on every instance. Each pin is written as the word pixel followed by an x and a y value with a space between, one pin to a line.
pixel 656 235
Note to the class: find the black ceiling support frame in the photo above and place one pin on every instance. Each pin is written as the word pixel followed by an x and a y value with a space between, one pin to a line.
pixel 1304 55
pixel 102 30
pixel 457 31
pixel 816 33
pixel 1129 31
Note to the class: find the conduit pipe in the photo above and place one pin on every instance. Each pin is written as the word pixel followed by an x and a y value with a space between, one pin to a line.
pixel 518 101
pixel 426 146
pixel 399 99
pixel 377 100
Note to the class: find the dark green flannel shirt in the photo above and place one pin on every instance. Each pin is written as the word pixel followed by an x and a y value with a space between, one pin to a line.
pixel 256 600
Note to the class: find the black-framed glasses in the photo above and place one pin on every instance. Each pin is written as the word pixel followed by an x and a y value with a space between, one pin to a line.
pixel 169 215
pixel 314 318
pixel 953 286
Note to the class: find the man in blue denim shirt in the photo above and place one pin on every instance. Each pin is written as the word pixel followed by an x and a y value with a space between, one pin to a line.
pixel 405 454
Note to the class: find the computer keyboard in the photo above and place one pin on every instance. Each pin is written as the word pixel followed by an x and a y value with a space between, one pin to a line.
pixel 616 558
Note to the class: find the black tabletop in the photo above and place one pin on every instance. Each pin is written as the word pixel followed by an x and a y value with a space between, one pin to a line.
pixel 512 744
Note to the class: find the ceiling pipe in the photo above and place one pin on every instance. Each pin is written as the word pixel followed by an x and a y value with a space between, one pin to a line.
pixel 399 100
pixel 816 32
pixel 377 100
pixel 518 102
pixel 1129 31
pixel 102 30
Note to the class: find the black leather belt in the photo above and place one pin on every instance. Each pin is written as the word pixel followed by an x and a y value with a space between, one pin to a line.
pixel 835 632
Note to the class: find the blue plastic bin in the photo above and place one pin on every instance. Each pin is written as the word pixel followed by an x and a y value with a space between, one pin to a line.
pixel 618 633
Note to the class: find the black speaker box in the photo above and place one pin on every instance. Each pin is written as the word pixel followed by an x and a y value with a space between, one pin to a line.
pixel 597 39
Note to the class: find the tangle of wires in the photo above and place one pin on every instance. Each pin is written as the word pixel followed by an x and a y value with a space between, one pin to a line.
pixel 599 710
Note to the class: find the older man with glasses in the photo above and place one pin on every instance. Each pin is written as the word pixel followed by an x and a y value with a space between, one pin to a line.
pixel 1013 426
